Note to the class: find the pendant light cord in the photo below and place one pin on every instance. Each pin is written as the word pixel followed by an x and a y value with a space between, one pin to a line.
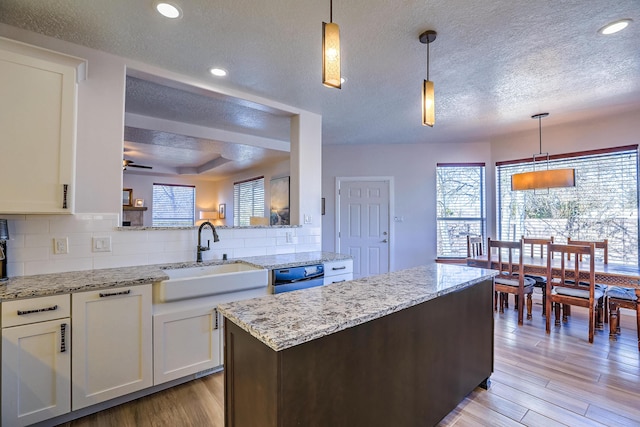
pixel 331 11
pixel 428 60
pixel 540 132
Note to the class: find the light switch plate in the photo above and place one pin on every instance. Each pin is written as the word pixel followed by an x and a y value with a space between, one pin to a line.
pixel 101 244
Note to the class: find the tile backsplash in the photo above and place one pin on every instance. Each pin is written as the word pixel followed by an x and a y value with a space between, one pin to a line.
pixel 30 249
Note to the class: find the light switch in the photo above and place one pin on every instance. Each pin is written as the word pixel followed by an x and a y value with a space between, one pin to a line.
pixel 101 244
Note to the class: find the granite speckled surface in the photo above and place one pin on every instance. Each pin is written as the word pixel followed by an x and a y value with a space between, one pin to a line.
pixel 292 318
pixel 272 262
pixel 77 281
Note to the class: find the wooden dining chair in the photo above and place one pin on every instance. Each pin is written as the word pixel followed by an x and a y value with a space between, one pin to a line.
pixel 565 286
pixel 617 298
pixel 474 246
pixel 601 252
pixel 598 245
pixel 510 278
pixel 537 247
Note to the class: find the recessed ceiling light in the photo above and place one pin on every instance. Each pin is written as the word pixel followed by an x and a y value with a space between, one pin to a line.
pixel 218 72
pixel 614 27
pixel 168 10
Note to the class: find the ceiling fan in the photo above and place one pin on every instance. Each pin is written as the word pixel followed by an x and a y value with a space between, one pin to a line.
pixel 131 164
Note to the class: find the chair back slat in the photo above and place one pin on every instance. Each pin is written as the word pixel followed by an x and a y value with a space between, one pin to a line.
pixel 559 276
pixel 603 245
pixel 474 246
pixel 537 244
pixel 509 250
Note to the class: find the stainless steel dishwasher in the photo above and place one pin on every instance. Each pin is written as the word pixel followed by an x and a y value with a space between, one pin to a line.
pixel 294 278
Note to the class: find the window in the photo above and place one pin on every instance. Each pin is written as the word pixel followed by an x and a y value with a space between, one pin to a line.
pixel 602 205
pixel 461 206
pixel 248 200
pixel 173 205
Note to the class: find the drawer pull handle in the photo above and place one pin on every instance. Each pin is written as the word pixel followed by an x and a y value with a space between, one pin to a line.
pixel 338 281
pixel 112 294
pixel 215 313
pixel 37 310
pixel 63 339
pixel 339 268
pixel 65 189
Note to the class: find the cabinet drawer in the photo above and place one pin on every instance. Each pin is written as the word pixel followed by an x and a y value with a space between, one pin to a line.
pixel 335 268
pixel 338 278
pixel 24 311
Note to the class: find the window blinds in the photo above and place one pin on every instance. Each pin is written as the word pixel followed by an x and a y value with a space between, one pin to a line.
pixel 248 200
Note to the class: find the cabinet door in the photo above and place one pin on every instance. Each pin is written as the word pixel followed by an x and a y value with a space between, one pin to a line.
pixel 112 337
pixel 185 342
pixel 36 372
pixel 38 122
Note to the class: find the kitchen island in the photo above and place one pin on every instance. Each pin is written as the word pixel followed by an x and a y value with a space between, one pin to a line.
pixel 400 349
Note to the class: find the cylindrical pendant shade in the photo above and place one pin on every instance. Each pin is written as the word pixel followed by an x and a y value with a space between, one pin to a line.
pixel 553 178
pixel 428 104
pixel 331 55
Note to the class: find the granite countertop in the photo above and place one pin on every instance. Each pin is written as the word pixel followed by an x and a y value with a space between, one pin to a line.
pixel 284 320
pixel 78 281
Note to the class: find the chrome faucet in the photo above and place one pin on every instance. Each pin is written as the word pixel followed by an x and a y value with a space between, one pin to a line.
pixel 205 248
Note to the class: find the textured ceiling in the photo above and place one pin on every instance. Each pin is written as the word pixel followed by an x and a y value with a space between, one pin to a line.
pixel 494 63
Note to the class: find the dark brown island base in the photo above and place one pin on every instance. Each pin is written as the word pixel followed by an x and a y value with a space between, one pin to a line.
pixel 407 368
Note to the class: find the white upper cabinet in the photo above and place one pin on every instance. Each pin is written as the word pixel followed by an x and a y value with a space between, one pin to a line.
pixel 37 128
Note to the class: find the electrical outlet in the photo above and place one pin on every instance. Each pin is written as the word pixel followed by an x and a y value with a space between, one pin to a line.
pixel 307 219
pixel 289 237
pixel 61 245
pixel 101 244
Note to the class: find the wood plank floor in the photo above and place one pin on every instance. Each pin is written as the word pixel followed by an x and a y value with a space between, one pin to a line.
pixel 539 380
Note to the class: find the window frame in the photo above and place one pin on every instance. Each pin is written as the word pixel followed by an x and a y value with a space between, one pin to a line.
pixel 155 209
pixel 256 209
pixel 556 161
pixel 482 219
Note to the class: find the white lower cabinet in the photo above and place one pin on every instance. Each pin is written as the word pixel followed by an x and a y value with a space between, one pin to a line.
pixel 185 341
pixel 36 360
pixel 112 338
pixel 338 271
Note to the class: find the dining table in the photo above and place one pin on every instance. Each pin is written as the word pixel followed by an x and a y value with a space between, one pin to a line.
pixel 612 274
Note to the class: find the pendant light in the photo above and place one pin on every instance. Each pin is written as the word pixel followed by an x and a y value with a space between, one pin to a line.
pixel 428 96
pixel 331 52
pixel 543 179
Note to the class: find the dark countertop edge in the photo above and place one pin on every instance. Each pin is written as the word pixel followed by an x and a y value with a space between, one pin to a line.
pixel 141 274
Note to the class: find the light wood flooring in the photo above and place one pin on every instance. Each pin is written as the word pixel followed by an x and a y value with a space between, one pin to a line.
pixel 539 380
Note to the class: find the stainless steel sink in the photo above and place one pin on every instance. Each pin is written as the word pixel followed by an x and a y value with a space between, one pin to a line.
pixel 195 282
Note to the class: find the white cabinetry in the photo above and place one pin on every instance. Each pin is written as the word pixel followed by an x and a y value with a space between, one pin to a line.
pixel 186 339
pixel 112 338
pixel 38 122
pixel 338 271
pixel 188 335
pixel 36 360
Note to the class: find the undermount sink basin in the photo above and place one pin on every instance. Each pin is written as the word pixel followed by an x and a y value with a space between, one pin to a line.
pixel 209 280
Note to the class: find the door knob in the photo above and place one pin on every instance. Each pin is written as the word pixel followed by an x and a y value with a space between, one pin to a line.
pixel 384 241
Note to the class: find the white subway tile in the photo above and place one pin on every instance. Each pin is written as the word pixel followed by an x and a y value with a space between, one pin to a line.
pixel 120 261
pixel 264 242
pixel 246 252
pixel 15 269
pixel 249 233
pixel 29 254
pixel 29 226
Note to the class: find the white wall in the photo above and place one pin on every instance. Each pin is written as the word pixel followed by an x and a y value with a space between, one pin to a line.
pixel 101 100
pixel 413 168
pixel 30 250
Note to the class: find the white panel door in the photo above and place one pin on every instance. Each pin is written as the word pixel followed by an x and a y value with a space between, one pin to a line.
pixel 185 342
pixel 36 372
pixel 112 339
pixel 363 225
